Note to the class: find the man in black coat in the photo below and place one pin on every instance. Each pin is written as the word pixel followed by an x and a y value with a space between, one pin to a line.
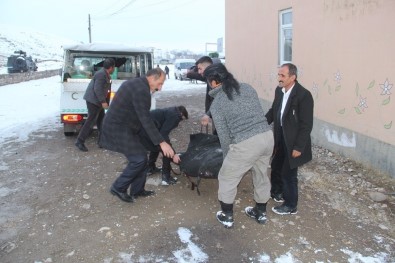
pixel 166 119
pixel 197 73
pixel 128 113
pixel 97 98
pixel 292 115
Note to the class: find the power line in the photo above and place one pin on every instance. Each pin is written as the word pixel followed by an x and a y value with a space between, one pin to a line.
pixel 145 6
pixel 119 11
pixel 104 11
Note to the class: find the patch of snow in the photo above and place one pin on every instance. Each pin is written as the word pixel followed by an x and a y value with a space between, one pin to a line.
pixel 191 254
pixel 356 257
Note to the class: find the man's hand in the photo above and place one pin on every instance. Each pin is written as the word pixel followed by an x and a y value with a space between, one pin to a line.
pixel 104 105
pixel 166 149
pixel 205 120
pixel 296 154
pixel 176 159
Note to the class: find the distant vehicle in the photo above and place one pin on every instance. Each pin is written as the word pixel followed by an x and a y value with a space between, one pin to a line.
pixel 80 64
pixel 181 67
pixel 20 63
pixel 218 60
pixel 164 61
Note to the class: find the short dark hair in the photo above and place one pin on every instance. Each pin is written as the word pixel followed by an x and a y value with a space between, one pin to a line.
pixel 292 69
pixel 108 63
pixel 183 111
pixel 204 59
pixel 156 72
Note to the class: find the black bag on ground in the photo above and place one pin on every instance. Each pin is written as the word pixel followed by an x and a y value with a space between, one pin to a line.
pixel 203 158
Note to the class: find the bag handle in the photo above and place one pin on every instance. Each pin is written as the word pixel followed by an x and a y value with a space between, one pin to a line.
pixel 201 128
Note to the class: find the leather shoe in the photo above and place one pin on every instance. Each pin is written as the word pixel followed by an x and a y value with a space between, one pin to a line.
pixel 144 193
pixel 81 146
pixel 123 196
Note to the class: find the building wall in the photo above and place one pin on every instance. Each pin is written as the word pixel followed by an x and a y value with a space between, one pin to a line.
pixel 343 50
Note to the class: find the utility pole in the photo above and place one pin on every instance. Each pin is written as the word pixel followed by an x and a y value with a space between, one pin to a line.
pixel 89 28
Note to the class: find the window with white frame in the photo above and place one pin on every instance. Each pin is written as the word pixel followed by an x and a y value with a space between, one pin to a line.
pixel 285 36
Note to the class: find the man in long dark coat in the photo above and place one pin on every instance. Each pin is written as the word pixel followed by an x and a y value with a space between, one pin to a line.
pixel 129 112
pixel 292 115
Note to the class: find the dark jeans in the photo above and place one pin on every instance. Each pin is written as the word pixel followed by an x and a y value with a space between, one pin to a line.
pixel 133 175
pixel 95 116
pixel 289 176
pixel 166 166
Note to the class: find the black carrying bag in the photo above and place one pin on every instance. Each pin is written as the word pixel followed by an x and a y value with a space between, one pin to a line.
pixel 203 158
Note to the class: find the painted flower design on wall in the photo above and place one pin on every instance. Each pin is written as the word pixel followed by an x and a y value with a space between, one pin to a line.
pixel 386 88
pixel 362 103
pixel 338 77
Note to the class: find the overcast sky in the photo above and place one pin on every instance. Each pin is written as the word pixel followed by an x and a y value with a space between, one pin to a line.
pixel 165 24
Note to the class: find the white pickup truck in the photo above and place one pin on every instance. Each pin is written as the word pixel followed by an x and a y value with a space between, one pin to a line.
pixel 80 64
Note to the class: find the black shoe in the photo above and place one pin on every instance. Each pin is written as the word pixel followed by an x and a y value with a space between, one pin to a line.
pixel 153 169
pixel 225 218
pixel 123 196
pixel 284 210
pixel 259 216
pixel 277 198
pixel 80 145
pixel 144 193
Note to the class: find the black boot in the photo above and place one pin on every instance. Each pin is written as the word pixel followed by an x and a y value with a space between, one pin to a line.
pixel 225 216
pixel 258 212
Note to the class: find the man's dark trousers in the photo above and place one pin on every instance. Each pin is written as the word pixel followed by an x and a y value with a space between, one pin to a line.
pixel 166 166
pixel 275 175
pixel 289 177
pixel 134 174
pixel 95 116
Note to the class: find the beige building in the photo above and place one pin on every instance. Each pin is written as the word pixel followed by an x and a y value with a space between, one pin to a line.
pixel 343 50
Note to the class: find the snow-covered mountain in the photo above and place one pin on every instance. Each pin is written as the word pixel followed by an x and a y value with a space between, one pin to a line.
pixel 47 49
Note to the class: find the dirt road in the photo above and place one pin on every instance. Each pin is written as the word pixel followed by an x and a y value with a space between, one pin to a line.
pixel 55 207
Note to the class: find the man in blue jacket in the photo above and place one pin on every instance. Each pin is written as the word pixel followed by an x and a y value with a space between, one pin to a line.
pixel 166 119
pixel 292 115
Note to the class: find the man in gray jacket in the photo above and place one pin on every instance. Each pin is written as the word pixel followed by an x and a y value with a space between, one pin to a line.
pixel 96 97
